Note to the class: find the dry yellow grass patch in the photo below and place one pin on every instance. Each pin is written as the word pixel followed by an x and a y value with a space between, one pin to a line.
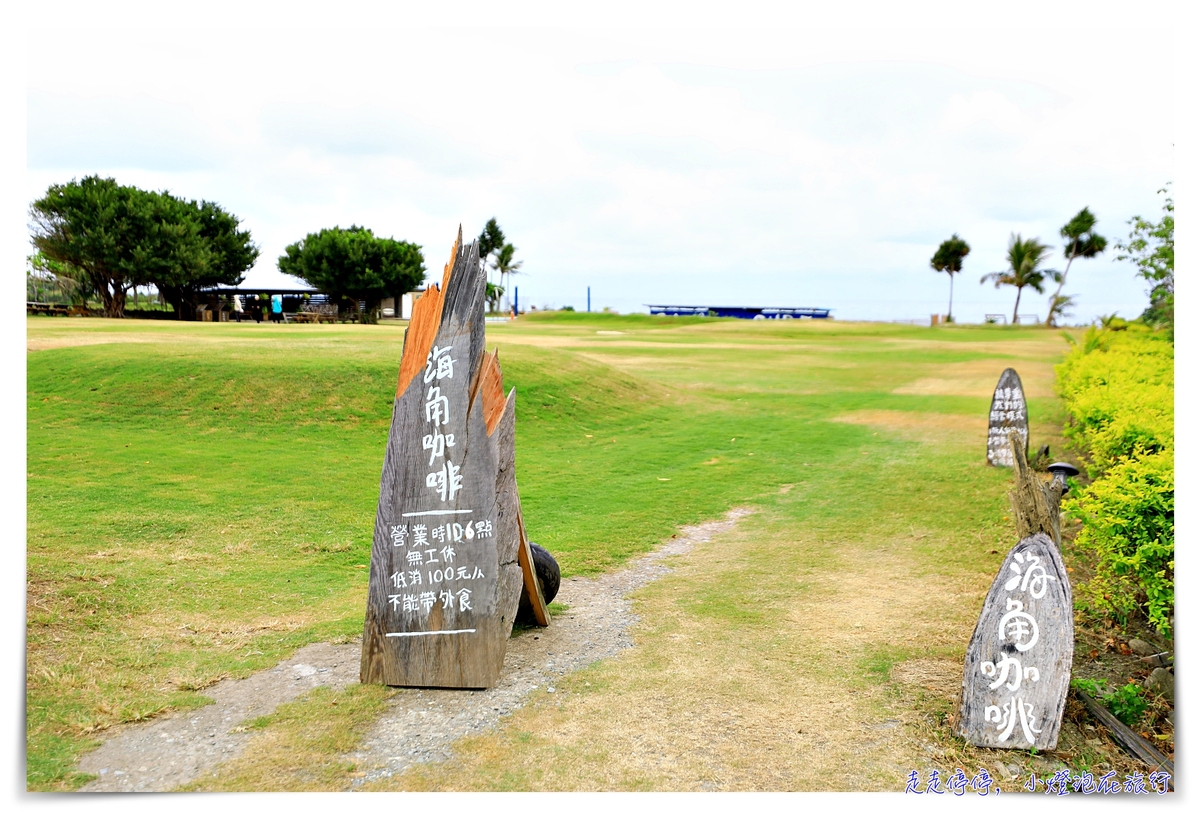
pixel 925 427
pixel 768 696
pixel 978 379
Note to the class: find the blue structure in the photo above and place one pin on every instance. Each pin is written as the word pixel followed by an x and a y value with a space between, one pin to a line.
pixel 753 313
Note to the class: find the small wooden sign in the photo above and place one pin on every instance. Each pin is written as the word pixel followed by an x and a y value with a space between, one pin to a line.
pixel 446 572
pixel 1008 413
pixel 1018 664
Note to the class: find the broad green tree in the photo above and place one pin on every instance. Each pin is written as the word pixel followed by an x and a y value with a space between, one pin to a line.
pixel 949 259
pixel 352 264
pixel 1151 247
pixel 1025 259
pixel 1081 241
pixel 118 237
pixel 232 253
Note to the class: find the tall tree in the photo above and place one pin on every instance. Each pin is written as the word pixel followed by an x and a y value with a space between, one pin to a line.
pixel 352 264
pixel 1082 241
pixel 119 236
pixel 1025 257
pixel 949 259
pixel 505 264
pixel 232 253
pixel 1151 247
pixel 491 239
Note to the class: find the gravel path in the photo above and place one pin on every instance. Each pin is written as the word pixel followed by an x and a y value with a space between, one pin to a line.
pixel 420 724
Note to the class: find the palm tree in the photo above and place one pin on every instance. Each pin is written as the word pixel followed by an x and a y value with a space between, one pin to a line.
pixel 1082 242
pixel 504 264
pixel 949 259
pixel 491 239
pixel 1025 257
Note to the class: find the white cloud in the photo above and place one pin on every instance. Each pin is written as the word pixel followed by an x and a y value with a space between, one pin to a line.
pixel 808 166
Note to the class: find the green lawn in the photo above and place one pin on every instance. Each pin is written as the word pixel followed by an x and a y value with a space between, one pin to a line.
pixel 201 497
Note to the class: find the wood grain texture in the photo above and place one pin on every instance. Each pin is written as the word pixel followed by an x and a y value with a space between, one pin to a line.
pixel 1008 412
pixel 533 585
pixel 493 391
pixel 1034 501
pixel 444 474
pixel 1018 663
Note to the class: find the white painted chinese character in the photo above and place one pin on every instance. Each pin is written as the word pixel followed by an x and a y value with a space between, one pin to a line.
pixel 478 573
pixel 398 580
pixel 429 556
pixel 439 357
pixel 1035 576
pixel 448 553
pixel 418 533
pixel 445 481
pixel 414 557
pixel 462 572
pixel 427 599
pixel 439 533
pixel 410 602
pixel 395 600
pixel 483 528
pixel 1018 626
pixel 1008 720
pixel 437 406
pixel 436 444
pixel 464 599
pixel 399 535
pixel 414 577
pixel 447 598
pixel 1000 673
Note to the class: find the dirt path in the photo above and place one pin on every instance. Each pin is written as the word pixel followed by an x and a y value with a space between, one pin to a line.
pixel 420 724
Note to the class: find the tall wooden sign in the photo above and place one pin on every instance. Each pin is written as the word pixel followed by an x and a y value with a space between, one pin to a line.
pixel 1008 413
pixel 1018 664
pixel 450 548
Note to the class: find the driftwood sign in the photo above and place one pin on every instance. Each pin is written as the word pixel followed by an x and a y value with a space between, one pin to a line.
pixel 450 555
pixel 1008 413
pixel 1018 664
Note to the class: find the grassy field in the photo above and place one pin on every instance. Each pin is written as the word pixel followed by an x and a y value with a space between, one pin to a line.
pixel 201 497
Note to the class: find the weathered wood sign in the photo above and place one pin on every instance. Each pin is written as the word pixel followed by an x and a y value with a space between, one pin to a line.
pixel 449 553
pixel 1018 664
pixel 1008 412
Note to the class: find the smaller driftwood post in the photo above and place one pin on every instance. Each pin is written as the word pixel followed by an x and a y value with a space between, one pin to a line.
pixel 1018 665
pixel 450 555
pixel 1008 413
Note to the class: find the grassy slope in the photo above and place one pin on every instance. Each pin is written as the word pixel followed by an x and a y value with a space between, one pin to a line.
pixel 200 501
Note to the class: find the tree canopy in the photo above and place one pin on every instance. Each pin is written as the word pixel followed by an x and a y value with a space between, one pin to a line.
pixel 1025 257
pixel 491 239
pixel 1151 247
pixel 1081 241
pixel 352 264
pixel 119 237
pixel 949 259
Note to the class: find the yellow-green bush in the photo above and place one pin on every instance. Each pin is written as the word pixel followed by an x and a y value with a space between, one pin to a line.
pixel 1119 390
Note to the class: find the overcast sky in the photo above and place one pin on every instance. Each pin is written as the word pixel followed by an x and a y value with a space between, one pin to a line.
pixel 781 163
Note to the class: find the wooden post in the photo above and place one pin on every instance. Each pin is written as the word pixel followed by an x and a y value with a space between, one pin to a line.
pixel 1035 502
pixel 1008 412
pixel 1018 663
pixel 445 575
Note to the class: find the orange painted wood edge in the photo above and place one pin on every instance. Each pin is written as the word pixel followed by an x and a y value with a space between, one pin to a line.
pixel 423 328
pixel 541 613
pixel 492 385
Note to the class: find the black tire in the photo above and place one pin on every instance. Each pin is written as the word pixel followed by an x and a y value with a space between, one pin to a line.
pixel 549 576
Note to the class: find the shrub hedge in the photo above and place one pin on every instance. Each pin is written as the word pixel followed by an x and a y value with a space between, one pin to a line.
pixel 1119 391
